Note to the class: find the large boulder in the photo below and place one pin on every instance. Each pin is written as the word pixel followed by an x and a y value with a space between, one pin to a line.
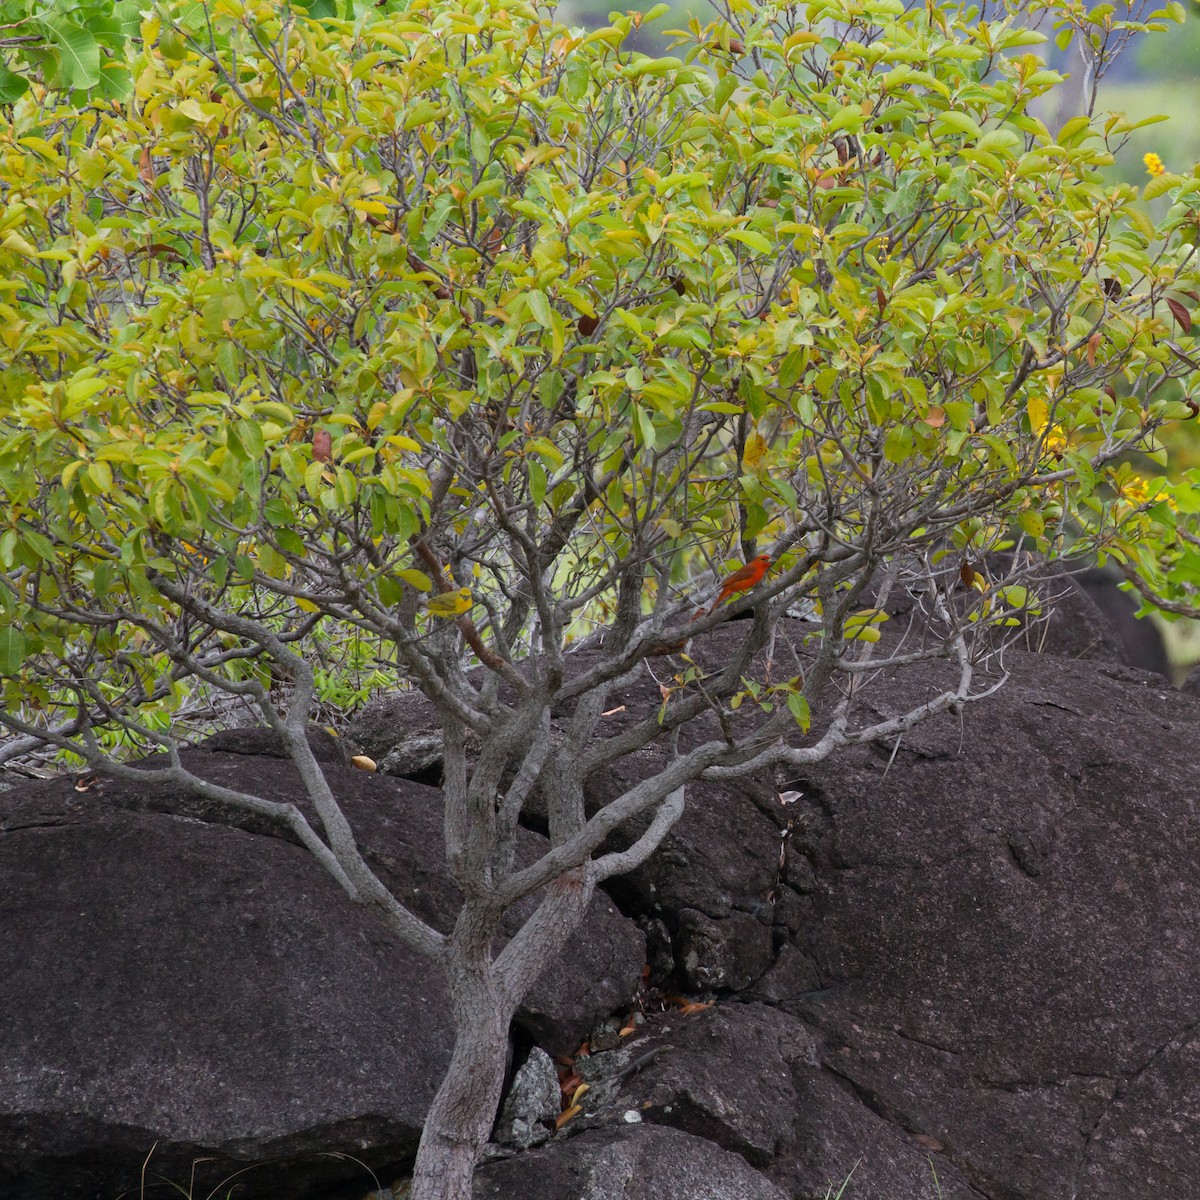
pixel 1081 613
pixel 207 990
pixel 750 1079
pixel 991 929
pixel 637 1162
pixel 1191 685
pixel 399 826
pixel 969 954
pixel 1001 922
pixel 189 992
pixel 1141 644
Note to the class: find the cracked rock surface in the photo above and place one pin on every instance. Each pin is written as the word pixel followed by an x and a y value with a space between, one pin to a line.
pixel 965 964
pixel 633 1162
pixel 1004 928
pixel 985 939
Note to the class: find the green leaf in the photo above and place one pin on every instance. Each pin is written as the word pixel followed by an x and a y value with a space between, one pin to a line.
pixel 1160 185
pixel 13 647
pixel 1032 522
pixel 540 307
pixel 957 122
pixel 116 83
pixel 12 86
pixel 416 579
pixel 576 79
pixel 79 59
pixel 798 705
pixel 851 119
pixel 900 444
pixel 748 237
pixel 723 90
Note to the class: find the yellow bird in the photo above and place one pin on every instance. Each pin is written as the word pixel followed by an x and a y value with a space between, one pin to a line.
pixel 450 604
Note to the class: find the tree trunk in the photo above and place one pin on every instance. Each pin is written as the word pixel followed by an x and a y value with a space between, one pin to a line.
pixel 484 995
pixel 464 1109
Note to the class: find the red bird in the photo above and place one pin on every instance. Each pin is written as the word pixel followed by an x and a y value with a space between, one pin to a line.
pixel 744 578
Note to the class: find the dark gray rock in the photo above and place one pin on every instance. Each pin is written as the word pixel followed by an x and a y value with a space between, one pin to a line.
pixel 1126 1154
pixel 1004 927
pixel 727 1077
pixel 327 746
pixel 399 826
pixel 976 959
pixel 403 734
pixel 720 860
pixel 1074 625
pixel 208 988
pixel 1066 621
pixel 1191 685
pixel 199 988
pixel 637 1162
pixel 991 928
pixel 708 885
pixel 749 1078
pixel 1141 643
pixel 725 955
pixel 1088 616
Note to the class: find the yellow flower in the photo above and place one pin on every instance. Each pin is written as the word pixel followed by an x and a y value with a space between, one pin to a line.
pixel 1154 164
pixel 1055 441
pixel 1135 490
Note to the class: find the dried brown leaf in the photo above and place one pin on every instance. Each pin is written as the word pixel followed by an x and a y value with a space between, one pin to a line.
pixel 566 1115
pixel 1181 314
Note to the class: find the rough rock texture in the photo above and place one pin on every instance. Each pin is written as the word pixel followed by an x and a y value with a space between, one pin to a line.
pixel 994 936
pixel 1084 615
pixel 1191 685
pixel 1141 643
pixel 399 826
pixel 632 1163
pixel 532 1103
pixel 749 1078
pixel 1003 928
pixel 1076 626
pixel 210 988
pixel 202 988
pixel 968 956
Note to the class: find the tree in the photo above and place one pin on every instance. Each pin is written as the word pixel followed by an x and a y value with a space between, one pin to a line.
pixel 78 46
pixel 450 340
pixel 74 45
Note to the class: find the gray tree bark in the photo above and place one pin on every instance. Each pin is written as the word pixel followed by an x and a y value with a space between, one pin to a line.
pixel 461 1117
pixel 484 996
